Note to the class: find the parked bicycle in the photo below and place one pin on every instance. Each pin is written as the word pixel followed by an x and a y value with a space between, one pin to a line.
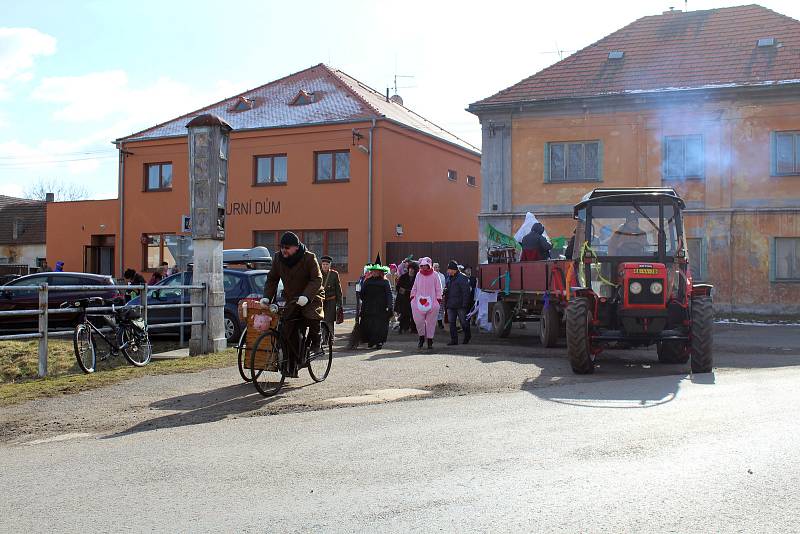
pixel 129 334
pixel 281 346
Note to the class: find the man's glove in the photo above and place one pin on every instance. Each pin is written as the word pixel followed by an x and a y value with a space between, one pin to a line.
pixel 264 301
pixel 302 300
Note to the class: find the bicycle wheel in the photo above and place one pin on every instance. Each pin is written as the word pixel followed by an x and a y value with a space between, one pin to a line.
pixel 85 351
pixel 134 343
pixel 267 382
pixel 242 359
pixel 320 365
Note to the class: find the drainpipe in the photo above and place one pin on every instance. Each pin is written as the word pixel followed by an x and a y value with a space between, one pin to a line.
pixel 369 203
pixel 121 195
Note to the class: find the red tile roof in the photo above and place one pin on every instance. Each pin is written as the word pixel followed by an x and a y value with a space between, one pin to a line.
pixel 338 98
pixel 670 52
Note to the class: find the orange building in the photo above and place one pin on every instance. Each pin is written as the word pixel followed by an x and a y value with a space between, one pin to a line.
pixel 352 171
pixel 658 103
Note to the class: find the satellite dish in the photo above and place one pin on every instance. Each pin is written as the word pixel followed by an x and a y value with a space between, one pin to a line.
pixel 397 99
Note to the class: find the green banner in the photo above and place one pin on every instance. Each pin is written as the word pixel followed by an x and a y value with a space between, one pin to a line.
pixel 496 236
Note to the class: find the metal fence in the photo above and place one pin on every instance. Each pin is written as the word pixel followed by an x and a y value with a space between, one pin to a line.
pixel 44 312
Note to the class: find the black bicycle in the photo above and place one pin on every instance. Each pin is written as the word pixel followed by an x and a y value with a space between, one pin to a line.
pixel 281 347
pixel 129 334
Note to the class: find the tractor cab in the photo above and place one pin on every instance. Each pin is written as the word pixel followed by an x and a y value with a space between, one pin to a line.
pixel 633 276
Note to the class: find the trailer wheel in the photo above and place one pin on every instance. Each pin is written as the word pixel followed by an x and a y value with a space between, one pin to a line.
pixel 549 326
pixel 501 315
pixel 579 347
pixel 672 352
pixel 702 335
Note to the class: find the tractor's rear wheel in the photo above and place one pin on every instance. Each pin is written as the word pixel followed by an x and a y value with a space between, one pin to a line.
pixel 579 349
pixel 702 335
pixel 549 326
pixel 501 319
pixel 672 352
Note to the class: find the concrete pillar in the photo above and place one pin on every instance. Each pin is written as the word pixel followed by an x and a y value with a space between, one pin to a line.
pixel 208 190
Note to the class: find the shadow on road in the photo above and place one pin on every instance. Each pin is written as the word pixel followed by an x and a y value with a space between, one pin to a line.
pixel 206 407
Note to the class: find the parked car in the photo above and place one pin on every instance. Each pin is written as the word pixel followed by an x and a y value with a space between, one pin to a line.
pixel 238 285
pixel 29 299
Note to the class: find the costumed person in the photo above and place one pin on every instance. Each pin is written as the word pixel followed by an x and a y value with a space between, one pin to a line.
pixel 402 303
pixel 299 271
pixel 426 299
pixel 535 246
pixel 459 302
pixel 376 306
pixel 334 301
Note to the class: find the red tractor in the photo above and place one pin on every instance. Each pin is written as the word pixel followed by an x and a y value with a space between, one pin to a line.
pixel 634 285
pixel 627 282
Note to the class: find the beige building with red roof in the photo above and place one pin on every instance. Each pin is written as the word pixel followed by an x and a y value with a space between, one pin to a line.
pixel 707 102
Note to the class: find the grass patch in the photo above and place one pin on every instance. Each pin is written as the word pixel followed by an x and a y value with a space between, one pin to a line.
pixel 19 366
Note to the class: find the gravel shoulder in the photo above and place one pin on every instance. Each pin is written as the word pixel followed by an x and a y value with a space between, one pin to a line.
pixel 398 372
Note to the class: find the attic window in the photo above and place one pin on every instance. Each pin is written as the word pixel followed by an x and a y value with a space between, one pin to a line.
pixel 243 104
pixel 766 41
pixel 616 54
pixel 303 98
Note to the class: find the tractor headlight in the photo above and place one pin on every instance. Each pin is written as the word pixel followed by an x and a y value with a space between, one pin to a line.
pixel 636 288
pixel 656 288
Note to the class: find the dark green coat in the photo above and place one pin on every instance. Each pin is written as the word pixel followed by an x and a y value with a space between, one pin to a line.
pixel 333 295
pixel 302 278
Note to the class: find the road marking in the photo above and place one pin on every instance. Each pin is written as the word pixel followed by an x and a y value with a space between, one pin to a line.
pixel 380 395
pixel 60 437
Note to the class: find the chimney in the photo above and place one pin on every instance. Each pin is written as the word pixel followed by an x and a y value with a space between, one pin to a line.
pixel 387 94
pixel 49 197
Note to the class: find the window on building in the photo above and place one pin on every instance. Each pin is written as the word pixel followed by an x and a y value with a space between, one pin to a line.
pixel 786 259
pixel 332 166
pixel 570 162
pixel 471 181
pixel 696 248
pixel 785 152
pixel 683 157
pixel 452 175
pixel 332 243
pixel 271 169
pixel 17 228
pixel 158 248
pixel 158 176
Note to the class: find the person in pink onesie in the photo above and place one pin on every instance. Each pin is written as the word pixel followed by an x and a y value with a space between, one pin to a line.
pixel 426 298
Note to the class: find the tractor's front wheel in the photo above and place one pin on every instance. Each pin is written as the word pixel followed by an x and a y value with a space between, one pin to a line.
pixel 702 335
pixel 579 346
pixel 672 352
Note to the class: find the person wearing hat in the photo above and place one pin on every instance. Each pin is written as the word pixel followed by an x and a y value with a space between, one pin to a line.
pixel 376 306
pixel 535 245
pixel 459 298
pixel 402 304
pixel 299 271
pixel 426 299
pixel 333 292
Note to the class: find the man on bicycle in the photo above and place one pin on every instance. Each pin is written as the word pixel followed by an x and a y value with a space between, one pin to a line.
pixel 299 271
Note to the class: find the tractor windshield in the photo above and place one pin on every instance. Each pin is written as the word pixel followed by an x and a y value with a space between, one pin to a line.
pixel 632 230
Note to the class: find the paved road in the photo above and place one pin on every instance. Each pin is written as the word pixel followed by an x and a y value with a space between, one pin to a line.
pixel 662 454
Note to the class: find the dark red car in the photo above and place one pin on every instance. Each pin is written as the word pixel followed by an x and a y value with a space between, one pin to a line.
pixel 29 299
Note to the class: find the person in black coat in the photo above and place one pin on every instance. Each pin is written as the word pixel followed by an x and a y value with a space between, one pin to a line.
pixel 459 297
pixel 535 245
pixel 376 306
pixel 403 302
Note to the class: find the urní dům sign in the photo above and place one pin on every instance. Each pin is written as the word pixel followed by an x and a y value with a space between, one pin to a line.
pixel 254 207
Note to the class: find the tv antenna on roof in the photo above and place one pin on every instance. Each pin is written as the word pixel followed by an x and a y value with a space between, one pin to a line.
pixel 396 98
pixel 559 52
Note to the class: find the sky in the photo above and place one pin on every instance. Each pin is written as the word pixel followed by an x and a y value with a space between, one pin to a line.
pixel 76 75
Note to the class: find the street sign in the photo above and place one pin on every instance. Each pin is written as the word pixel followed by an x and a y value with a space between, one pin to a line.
pixel 186 223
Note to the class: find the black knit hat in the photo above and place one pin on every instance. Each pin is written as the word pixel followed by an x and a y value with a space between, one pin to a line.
pixel 326 259
pixel 452 265
pixel 290 239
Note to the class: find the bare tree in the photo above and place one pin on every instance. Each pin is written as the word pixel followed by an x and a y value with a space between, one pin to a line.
pixel 61 190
